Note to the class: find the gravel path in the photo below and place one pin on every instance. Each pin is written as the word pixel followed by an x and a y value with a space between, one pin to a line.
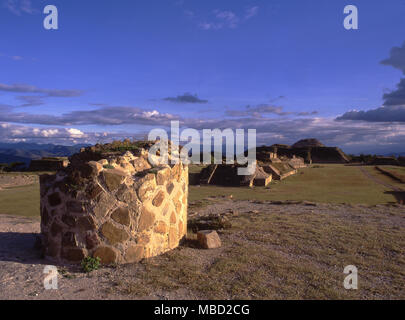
pixel 378 181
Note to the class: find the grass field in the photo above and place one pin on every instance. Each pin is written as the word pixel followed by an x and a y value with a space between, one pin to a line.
pixel 21 201
pixel 319 183
pixel 400 170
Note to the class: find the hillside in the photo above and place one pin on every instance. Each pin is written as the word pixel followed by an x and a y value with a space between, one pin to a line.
pixel 25 152
pixel 306 143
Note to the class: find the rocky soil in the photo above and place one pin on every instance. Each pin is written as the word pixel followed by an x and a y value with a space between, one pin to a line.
pixel 9 180
pixel 21 267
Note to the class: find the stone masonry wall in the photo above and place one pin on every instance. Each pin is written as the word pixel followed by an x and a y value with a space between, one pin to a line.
pixel 120 208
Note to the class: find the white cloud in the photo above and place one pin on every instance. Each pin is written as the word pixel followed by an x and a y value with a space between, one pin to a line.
pixel 227 19
pixel 18 7
pixel 251 12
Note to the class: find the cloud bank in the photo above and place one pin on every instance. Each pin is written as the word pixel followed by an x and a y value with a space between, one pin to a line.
pixel 25 88
pixel 393 109
pixel 186 98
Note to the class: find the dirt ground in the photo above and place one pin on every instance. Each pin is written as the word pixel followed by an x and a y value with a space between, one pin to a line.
pixel 16 180
pixel 273 251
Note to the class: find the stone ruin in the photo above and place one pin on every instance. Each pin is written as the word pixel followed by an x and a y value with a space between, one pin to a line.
pixel 48 164
pixel 227 175
pixel 115 205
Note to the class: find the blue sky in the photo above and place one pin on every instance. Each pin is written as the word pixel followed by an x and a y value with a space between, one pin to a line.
pixel 287 68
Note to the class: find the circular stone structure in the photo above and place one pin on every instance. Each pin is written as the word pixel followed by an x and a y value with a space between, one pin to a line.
pixel 117 206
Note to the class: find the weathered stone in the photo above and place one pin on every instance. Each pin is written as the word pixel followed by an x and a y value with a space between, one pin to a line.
pixel 44 216
pixel 129 156
pixel 54 199
pixel 173 218
pixel 105 203
pixel 155 160
pixel 134 254
pixel 181 228
pixel 143 239
pixel 73 254
pixel 75 206
pixel 208 239
pixel 176 172
pixel 113 234
pixel 122 216
pixel 140 164
pixel 212 222
pixel 173 238
pixel 47 179
pixel 113 178
pixel 96 166
pixel 126 166
pixel 147 186
pixel 177 204
pixel 92 240
pixel 126 194
pixel 103 162
pixel 170 187
pixel 86 223
pixel 161 227
pixel 158 199
pixel 146 220
pixel 166 209
pixel 69 239
pixel 52 248
pixel 93 191
pixel 56 229
pixel 107 255
pixel 69 220
pixel 54 212
pixel 163 176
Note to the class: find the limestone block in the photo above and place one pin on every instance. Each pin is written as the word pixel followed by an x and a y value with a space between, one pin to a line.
pixel 159 198
pixel 113 234
pixel 107 255
pixel 96 166
pixel 134 254
pixel 208 239
pixel 161 227
pixel 147 186
pixel 113 178
pixel 146 220
pixel 163 176
pixel 122 216
pixel 103 162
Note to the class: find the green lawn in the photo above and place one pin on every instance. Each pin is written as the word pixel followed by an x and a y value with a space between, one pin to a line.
pixel 319 183
pixel 22 201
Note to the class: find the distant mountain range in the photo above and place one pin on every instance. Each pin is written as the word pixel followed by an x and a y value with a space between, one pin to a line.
pixel 25 152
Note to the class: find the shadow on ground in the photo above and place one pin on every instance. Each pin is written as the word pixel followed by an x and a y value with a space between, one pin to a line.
pixel 399 196
pixel 20 247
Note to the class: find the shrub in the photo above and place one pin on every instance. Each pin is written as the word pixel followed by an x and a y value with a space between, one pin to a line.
pixel 90 264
